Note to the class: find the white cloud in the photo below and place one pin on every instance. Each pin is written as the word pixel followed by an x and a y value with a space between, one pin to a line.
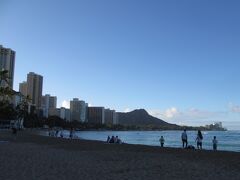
pixel 127 110
pixel 90 105
pixel 66 104
pixel 190 116
pixel 171 112
pixel 163 114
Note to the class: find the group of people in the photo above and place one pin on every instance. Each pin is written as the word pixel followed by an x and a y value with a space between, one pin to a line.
pixel 72 134
pixel 199 140
pixel 60 133
pixel 53 133
pixel 114 140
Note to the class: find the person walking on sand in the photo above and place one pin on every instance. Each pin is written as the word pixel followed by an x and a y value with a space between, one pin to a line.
pixel 184 139
pixel 215 142
pixel 199 139
pixel 161 140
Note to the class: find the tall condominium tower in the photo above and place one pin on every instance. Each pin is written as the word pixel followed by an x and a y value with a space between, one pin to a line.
pixel 23 88
pixel 48 102
pixel 7 62
pixel 96 115
pixel 78 110
pixel 34 88
pixel 110 116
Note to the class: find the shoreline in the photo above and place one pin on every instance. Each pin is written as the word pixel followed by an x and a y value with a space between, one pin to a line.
pixel 32 156
pixel 36 133
pixel 154 143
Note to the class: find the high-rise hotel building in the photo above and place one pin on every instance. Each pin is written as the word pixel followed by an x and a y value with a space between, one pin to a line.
pixel 48 103
pixel 34 88
pixel 23 88
pixel 7 62
pixel 78 110
pixel 96 115
pixel 110 117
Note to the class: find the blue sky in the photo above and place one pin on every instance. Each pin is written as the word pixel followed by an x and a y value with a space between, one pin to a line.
pixel 177 59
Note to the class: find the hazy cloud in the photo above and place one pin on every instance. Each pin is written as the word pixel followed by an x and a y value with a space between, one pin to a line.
pixel 192 116
pixel 90 105
pixel 66 104
pixel 163 114
pixel 127 110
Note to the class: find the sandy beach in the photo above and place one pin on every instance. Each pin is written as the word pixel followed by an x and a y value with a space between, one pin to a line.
pixel 34 157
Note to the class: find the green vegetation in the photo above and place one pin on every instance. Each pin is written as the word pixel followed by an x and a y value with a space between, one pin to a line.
pixel 8 111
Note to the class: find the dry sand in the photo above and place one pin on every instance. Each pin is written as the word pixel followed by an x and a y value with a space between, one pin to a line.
pixel 35 157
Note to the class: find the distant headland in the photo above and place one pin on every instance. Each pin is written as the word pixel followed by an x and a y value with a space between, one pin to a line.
pixel 140 119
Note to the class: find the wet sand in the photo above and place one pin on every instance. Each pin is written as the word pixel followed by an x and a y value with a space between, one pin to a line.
pixel 33 157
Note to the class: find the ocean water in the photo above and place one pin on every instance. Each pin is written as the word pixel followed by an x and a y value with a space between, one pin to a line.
pixel 227 140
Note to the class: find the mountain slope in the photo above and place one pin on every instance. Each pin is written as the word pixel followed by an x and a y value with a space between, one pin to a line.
pixel 140 117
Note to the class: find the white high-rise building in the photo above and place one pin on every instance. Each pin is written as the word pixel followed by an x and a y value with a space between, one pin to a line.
pixel 48 102
pixel 65 114
pixel 7 62
pixel 110 117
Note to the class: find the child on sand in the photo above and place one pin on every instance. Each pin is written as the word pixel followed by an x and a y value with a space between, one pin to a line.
pixel 161 140
pixel 215 142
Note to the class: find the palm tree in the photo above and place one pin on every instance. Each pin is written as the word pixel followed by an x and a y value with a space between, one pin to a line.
pixel 22 108
pixel 5 91
pixel 7 110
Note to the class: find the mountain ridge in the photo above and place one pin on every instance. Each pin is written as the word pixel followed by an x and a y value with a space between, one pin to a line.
pixel 140 117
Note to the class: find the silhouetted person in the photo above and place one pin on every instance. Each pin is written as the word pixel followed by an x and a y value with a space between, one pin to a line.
pixel 112 140
pixel 199 140
pixel 108 139
pixel 118 140
pixel 56 133
pixel 71 133
pixel 215 142
pixel 184 138
pixel 161 140
pixel 61 134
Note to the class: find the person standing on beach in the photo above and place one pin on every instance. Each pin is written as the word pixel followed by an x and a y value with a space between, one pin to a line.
pixel 161 140
pixel 184 139
pixel 108 139
pixel 199 139
pixel 215 142
pixel 71 133
pixel 56 133
pixel 61 134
